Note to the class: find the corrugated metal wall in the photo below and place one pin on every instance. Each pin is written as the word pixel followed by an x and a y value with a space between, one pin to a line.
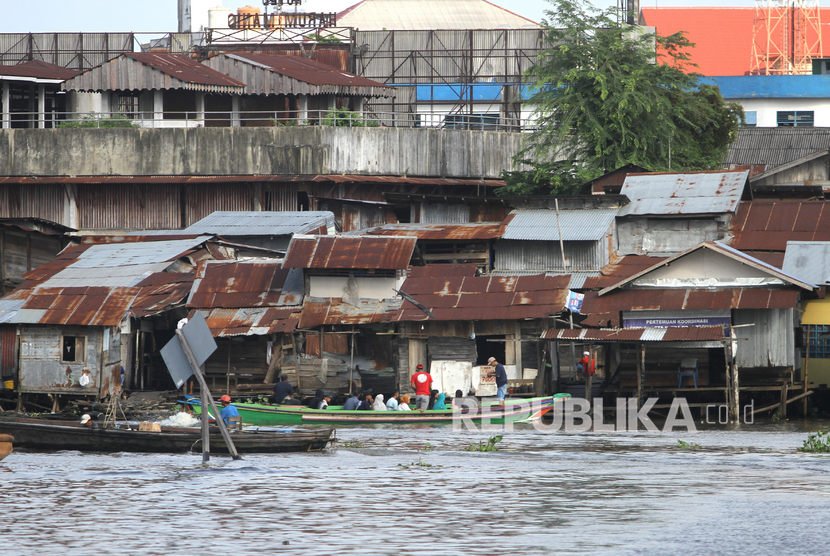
pixel 546 255
pixel 8 351
pixel 203 199
pixel 441 213
pixel 447 55
pixel 770 342
pixel 129 206
pixel 451 348
pixel 42 201
pixel 280 196
pixel 70 50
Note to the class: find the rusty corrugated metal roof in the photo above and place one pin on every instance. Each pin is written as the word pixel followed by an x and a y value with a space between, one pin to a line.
pixel 471 231
pixel 349 252
pixel 484 297
pixel 678 334
pixel 184 68
pixel 38 70
pixel 620 269
pixel 236 284
pixel 95 306
pixel 767 225
pixel 306 69
pixel 251 321
pixel 331 311
pixel 683 193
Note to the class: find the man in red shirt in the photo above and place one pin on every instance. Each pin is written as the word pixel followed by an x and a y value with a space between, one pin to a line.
pixel 422 383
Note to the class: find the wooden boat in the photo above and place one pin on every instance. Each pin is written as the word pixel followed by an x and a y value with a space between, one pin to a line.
pixel 6 445
pixel 45 435
pixel 513 410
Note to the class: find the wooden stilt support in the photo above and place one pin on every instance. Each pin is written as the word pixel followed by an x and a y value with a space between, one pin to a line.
pixel 778 404
pixel 804 374
pixel 784 388
pixel 641 373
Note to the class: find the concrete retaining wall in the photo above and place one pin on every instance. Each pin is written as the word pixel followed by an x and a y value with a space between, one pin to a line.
pixel 243 151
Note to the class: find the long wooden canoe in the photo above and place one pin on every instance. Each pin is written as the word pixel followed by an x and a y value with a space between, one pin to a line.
pixel 45 435
pixel 513 410
pixel 6 445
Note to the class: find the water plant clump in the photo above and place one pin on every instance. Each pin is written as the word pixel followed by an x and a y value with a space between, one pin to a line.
pixel 817 442
pixel 419 463
pixel 683 445
pixel 489 446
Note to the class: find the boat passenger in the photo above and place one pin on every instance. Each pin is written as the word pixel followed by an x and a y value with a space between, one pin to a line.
pixel 314 403
pixel 432 395
pixel 392 402
pixel 379 405
pixel 366 403
pixel 88 422
pixel 282 389
pixel 324 403
pixel 404 405
pixel 351 403
pixel 228 410
pixel 439 402
pixel 460 401
pixel 291 400
pixel 421 382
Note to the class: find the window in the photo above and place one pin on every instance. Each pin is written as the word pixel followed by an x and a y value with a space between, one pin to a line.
pixel 127 105
pixel 794 118
pixel 73 349
pixel 750 118
pixel 819 342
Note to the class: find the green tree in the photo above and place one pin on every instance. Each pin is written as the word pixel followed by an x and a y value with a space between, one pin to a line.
pixel 603 99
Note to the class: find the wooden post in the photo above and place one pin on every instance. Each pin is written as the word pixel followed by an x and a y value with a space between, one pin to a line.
pixel 296 359
pixel 228 369
pixel 351 360
pixel 641 373
pixel 736 390
pixel 276 361
pixel 804 374
pixel 206 395
pixel 784 388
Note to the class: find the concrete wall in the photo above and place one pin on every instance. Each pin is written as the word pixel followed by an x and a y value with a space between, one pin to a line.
pixel 244 151
pixel 666 236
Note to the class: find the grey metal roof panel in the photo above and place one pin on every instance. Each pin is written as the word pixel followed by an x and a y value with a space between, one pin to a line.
pixel 773 146
pixel 810 259
pixel 9 308
pixel 683 193
pixel 262 223
pixel 135 253
pixel 110 277
pixel 543 224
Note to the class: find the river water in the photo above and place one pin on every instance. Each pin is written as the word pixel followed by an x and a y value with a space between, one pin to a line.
pixel 417 491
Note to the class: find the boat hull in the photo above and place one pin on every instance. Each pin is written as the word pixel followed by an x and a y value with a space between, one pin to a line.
pixel 6 445
pixel 43 435
pixel 269 415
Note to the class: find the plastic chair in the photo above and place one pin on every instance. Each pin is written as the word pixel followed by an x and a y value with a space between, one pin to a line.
pixel 687 367
pixel 235 422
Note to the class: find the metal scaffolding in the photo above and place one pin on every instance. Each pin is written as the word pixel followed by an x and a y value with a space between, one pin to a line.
pixel 786 37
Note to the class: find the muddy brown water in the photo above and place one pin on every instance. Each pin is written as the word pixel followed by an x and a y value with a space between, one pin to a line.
pixel 417 491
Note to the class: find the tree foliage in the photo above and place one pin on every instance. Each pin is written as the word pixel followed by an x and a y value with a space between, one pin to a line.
pixel 603 99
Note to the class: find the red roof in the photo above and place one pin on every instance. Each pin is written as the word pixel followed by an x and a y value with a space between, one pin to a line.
pixel 767 225
pixel 349 252
pixel 722 36
pixel 237 284
pixel 38 70
pixel 458 297
pixel 307 70
pixel 184 68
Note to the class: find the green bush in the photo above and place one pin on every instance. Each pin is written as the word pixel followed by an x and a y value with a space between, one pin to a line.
pixel 346 118
pixel 91 121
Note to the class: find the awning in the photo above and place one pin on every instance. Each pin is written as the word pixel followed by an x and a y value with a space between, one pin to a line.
pixel 676 334
pixel 816 311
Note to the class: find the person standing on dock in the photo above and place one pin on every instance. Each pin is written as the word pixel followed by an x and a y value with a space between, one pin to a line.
pixel 422 383
pixel 282 389
pixel 588 367
pixel 227 410
pixel 501 378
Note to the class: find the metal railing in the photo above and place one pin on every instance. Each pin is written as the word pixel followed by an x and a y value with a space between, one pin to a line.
pixel 261 118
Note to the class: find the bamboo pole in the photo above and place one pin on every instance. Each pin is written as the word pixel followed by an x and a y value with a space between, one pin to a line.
pixel 806 367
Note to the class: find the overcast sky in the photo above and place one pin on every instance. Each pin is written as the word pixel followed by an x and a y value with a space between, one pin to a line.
pixel 20 16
